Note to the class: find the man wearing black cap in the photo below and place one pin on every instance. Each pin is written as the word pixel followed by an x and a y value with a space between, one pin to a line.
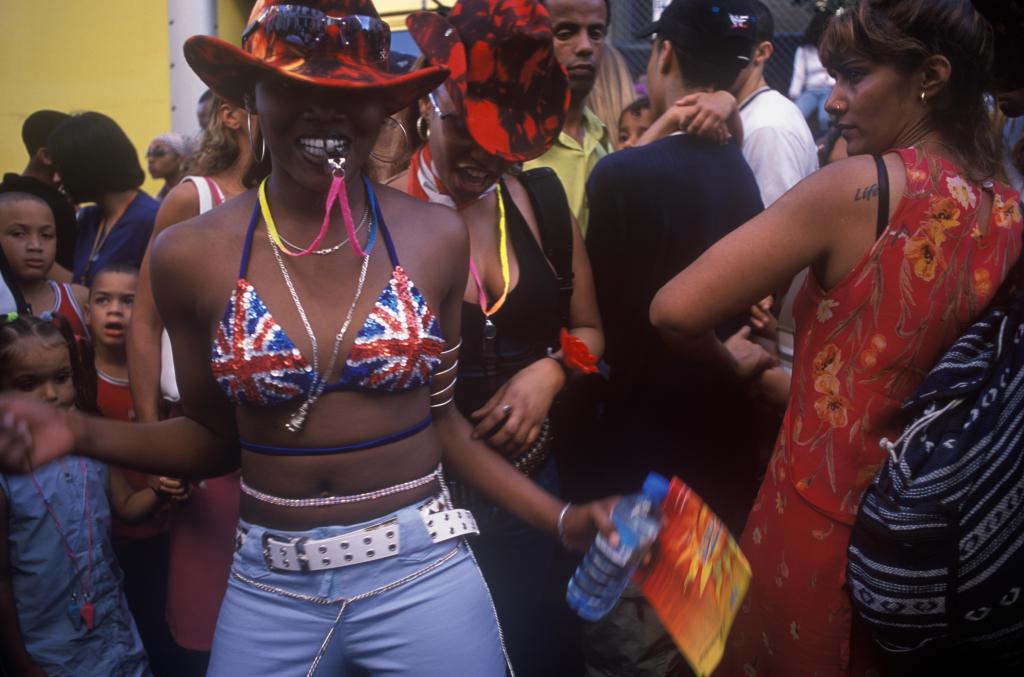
pixel 654 210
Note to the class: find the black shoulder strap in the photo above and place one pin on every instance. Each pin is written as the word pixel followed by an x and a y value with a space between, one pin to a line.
pixel 883 196
pixel 555 223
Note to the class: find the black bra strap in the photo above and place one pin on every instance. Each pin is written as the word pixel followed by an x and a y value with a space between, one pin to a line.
pixel 883 196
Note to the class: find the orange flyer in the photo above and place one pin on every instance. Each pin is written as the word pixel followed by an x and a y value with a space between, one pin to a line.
pixel 698 579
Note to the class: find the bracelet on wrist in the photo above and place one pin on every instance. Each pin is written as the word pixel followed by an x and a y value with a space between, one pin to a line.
pixel 573 354
pixel 561 523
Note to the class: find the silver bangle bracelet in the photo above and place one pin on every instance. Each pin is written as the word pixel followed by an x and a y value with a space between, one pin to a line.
pixel 453 348
pixel 441 404
pixel 455 365
pixel 445 389
pixel 561 523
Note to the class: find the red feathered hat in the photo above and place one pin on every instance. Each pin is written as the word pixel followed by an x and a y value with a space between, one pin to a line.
pixel 504 73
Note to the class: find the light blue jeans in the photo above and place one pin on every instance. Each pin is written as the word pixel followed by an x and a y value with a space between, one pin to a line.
pixel 812 102
pixel 425 611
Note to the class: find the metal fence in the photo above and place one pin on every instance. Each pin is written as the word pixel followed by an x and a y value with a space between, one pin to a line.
pixel 630 16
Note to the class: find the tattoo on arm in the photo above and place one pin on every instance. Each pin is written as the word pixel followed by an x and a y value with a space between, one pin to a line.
pixel 866 193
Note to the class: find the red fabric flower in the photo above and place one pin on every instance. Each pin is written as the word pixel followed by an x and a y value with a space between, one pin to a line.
pixel 576 355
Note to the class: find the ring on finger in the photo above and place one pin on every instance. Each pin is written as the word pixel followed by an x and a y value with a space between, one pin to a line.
pixel 506 409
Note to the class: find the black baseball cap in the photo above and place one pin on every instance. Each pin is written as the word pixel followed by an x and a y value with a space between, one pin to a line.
pixel 718 32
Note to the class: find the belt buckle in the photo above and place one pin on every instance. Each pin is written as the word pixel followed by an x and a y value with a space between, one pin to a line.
pixel 297 544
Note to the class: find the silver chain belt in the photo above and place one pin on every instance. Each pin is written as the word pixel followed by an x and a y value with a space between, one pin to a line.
pixel 324 501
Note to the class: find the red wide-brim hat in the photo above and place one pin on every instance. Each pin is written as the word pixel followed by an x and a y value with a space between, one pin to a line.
pixel 505 76
pixel 361 68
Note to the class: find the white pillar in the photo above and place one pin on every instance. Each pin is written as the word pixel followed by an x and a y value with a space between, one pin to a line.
pixel 186 18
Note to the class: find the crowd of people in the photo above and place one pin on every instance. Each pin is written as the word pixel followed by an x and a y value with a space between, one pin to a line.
pixel 528 307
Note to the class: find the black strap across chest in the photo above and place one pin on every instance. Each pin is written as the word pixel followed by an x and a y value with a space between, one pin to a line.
pixel 554 220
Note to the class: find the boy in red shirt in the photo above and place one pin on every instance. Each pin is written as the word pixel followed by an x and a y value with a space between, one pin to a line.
pixel 142 549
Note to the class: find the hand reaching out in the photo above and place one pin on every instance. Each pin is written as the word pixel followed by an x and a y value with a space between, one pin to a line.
pixel 32 433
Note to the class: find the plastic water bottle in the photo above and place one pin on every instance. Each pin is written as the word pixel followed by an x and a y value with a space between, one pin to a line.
pixel 605 571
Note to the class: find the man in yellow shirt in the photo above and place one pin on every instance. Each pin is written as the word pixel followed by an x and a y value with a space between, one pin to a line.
pixel 580 27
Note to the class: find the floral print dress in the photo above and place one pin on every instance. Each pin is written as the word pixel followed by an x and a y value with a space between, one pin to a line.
pixel 862 348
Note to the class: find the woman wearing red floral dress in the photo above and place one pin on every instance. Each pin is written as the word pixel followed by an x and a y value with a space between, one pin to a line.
pixel 893 285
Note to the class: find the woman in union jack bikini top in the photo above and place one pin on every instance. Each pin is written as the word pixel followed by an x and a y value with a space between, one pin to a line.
pixel 345 562
pixel 398 348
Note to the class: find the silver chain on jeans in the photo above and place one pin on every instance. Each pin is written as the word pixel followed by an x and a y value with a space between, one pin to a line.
pixel 345 601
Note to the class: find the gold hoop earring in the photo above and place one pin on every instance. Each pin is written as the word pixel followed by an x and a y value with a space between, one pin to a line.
pixel 384 160
pixel 423 128
pixel 252 144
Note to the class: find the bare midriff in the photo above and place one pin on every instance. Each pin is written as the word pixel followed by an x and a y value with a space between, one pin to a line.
pixel 338 419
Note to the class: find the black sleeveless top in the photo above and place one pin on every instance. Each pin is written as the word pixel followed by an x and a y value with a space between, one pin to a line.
pixel 527 324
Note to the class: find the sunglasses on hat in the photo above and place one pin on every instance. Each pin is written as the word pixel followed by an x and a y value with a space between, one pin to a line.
pixel 366 38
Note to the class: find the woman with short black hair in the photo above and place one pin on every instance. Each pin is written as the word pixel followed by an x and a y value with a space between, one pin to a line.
pixel 97 163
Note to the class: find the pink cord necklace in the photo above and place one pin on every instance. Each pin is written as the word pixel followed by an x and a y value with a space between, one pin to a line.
pixel 78 612
pixel 337 193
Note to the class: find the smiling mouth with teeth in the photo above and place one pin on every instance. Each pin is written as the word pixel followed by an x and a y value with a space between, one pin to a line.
pixel 321 148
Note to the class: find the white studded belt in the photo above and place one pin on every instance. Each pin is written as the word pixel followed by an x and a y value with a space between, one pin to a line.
pixel 377 541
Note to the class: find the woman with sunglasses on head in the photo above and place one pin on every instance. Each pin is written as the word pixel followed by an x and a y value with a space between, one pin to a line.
pixel 166 158
pixel 916 242
pixel 512 307
pixel 301 339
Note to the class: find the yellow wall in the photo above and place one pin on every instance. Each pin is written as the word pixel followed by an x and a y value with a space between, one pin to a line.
pixel 109 56
pixel 231 18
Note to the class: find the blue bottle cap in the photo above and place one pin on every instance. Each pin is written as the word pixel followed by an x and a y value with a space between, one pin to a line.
pixel 655 487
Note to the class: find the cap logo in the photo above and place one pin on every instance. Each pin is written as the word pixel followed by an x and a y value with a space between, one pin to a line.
pixel 740 20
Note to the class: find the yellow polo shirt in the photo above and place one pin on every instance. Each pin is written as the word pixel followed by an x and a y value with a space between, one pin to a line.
pixel 573 162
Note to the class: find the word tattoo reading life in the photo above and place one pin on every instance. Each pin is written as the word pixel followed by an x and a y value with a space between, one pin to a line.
pixel 866 193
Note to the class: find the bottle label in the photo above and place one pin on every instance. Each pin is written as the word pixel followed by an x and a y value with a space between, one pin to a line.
pixel 619 556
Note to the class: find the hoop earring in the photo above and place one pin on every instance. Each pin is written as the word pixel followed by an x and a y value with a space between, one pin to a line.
pixel 252 144
pixel 384 160
pixel 423 128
